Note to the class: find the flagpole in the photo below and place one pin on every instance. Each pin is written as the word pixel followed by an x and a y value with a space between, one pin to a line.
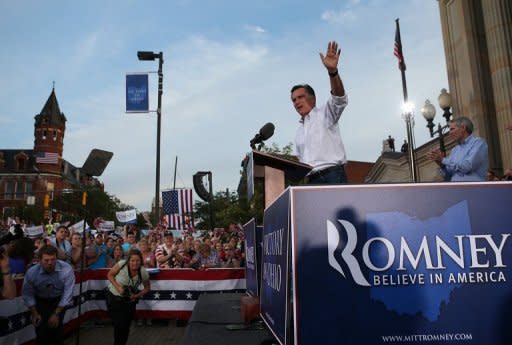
pixel 175 166
pixel 401 63
pixel 409 119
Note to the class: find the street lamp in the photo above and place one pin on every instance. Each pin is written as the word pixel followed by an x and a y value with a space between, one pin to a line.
pixel 151 56
pixel 408 116
pixel 429 112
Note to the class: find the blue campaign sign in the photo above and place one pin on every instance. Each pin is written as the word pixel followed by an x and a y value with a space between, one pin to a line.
pixel 395 264
pixel 274 299
pixel 137 99
pixel 252 269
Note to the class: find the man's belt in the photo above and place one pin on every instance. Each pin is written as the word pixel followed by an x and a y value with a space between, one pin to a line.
pixel 325 171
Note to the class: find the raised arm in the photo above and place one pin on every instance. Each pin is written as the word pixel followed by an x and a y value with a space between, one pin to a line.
pixel 330 61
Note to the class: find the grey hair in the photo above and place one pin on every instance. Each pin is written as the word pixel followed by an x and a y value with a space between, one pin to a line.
pixel 463 122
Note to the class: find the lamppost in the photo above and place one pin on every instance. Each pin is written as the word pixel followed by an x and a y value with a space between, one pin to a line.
pixel 429 112
pixel 408 116
pixel 151 56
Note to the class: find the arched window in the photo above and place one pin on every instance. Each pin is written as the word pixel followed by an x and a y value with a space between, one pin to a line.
pixel 21 163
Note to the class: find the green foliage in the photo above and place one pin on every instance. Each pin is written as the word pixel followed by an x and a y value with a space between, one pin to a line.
pixel 99 204
pixel 228 208
pixel 285 152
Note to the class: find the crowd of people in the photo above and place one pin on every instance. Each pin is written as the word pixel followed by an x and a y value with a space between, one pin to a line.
pixel 221 248
pixel 46 264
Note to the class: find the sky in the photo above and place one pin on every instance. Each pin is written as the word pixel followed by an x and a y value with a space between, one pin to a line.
pixel 228 69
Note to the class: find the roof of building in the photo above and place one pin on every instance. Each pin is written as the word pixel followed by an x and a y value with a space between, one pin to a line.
pixel 51 112
pixel 9 161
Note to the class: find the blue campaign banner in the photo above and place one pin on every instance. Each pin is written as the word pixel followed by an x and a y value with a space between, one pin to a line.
pixel 251 258
pixel 274 298
pixel 403 264
pixel 137 99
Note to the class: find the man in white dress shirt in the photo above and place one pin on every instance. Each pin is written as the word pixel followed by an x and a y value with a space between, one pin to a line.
pixel 318 140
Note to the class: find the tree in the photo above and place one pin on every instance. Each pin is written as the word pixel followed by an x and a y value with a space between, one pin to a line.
pixel 228 208
pixel 99 204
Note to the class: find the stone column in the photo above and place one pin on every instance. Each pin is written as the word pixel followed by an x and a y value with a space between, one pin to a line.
pixel 497 15
pixel 467 62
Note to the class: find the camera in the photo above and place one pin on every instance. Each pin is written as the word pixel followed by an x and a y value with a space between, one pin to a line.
pixel 128 291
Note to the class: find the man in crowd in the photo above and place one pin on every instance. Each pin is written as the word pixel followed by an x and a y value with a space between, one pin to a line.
pixel 469 160
pixel 62 244
pixel 318 139
pixel 129 242
pixel 165 253
pixel 47 290
pixel 100 252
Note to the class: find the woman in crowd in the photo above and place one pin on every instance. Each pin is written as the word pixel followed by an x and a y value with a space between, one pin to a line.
pixel 117 255
pixel 230 260
pixel 148 256
pixel 123 293
pixel 205 258
pixel 76 250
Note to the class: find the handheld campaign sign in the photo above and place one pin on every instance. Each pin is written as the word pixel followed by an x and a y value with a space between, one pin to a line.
pixel 253 248
pixel 376 264
pixel 274 293
pixel 137 100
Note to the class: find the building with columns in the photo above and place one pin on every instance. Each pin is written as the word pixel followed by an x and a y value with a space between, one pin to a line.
pixel 477 36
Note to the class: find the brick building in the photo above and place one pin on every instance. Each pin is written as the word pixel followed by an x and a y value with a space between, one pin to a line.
pixel 39 170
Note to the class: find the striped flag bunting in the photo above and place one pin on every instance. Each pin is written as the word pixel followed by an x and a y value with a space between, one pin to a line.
pixel 173 295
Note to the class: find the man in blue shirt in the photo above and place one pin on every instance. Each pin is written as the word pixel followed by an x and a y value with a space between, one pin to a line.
pixel 469 160
pixel 63 245
pixel 100 248
pixel 47 290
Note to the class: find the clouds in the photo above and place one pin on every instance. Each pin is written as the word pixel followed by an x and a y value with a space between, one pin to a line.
pixel 255 28
pixel 341 17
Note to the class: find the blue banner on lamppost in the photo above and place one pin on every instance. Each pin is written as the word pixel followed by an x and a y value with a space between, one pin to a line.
pixel 137 100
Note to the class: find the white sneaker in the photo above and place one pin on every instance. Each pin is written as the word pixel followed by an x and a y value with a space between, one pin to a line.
pixel 139 323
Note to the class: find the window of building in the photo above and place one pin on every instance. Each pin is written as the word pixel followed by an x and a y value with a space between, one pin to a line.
pixel 44 134
pixel 20 163
pixel 28 188
pixel 9 190
pixel 19 191
pixel 54 135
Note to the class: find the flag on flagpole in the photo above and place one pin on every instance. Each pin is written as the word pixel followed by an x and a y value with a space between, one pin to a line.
pixel 178 208
pixel 398 48
pixel 47 157
pixel 177 201
pixel 175 221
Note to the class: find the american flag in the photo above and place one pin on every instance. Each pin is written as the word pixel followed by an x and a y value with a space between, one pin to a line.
pixel 173 295
pixel 178 207
pixel 47 157
pixel 398 48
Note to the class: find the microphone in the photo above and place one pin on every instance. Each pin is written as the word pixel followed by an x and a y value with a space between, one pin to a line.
pixel 265 133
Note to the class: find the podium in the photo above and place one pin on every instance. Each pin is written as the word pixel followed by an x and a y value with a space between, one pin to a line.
pixel 275 170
